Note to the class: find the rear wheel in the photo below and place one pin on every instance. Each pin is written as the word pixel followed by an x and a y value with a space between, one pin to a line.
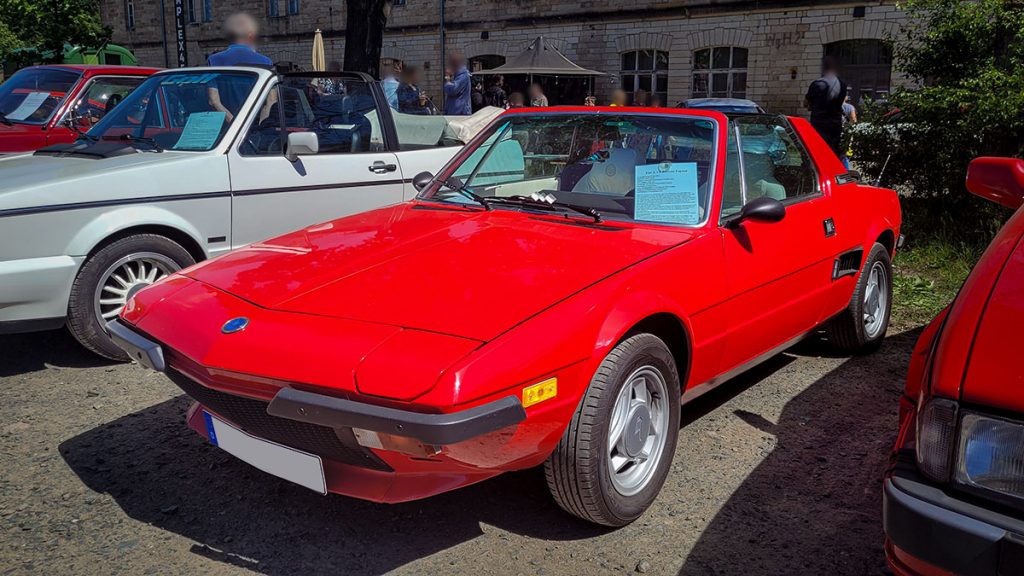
pixel 615 454
pixel 860 328
pixel 113 275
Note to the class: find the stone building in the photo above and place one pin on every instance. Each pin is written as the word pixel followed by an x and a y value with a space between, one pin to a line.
pixel 766 50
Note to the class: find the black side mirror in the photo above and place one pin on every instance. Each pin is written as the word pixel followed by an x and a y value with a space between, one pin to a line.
pixel 420 181
pixel 763 209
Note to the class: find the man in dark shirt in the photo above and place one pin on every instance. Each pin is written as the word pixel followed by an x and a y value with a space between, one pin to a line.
pixel 825 97
pixel 242 31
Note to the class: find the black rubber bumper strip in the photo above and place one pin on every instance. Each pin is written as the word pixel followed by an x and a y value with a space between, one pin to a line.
pixel 945 531
pixel 434 429
pixel 141 349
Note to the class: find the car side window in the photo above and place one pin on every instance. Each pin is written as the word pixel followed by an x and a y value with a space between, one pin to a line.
pixel 101 96
pixel 774 163
pixel 341 112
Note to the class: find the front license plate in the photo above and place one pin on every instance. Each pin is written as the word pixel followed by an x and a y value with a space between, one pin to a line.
pixel 293 465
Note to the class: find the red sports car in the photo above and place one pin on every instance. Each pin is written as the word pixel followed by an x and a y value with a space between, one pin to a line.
pixel 45 105
pixel 954 497
pixel 551 297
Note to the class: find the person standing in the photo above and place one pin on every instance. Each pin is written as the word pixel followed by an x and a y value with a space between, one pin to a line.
pixel 640 98
pixel 515 100
pixel 242 32
pixel 390 84
pixel 537 97
pixel 411 100
pixel 494 95
pixel 618 98
pixel 457 87
pixel 849 119
pixel 825 97
pixel 477 97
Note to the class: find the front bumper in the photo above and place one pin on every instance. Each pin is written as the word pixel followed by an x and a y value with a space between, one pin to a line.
pixel 942 533
pixel 323 425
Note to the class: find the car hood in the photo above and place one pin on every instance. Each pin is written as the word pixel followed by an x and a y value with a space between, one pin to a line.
pixel 472 274
pixel 21 137
pixel 31 181
pixel 993 377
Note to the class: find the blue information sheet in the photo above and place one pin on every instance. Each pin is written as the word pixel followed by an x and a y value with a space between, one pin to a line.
pixel 201 131
pixel 667 192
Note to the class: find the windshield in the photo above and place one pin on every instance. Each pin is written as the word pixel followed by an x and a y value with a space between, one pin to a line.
pixel 652 168
pixel 180 111
pixel 32 95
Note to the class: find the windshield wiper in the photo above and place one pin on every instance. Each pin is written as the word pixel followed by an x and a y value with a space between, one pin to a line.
pixel 455 184
pixel 4 120
pixel 542 200
pixel 145 140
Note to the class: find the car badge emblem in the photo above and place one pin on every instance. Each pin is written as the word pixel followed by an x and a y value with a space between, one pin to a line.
pixel 235 325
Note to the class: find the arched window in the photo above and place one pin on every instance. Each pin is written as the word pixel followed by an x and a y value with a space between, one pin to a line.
pixel 720 72
pixel 645 70
pixel 865 66
pixel 485 62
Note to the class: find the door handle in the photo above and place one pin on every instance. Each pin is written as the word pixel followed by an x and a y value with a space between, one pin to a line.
pixel 379 167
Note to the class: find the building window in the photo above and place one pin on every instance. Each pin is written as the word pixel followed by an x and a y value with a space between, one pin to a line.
pixel 191 12
pixel 720 72
pixel 645 70
pixel 273 11
pixel 293 7
pixel 207 10
pixel 397 2
pixel 485 62
pixel 129 14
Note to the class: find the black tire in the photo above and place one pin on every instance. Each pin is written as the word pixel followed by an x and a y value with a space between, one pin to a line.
pixel 83 322
pixel 578 470
pixel 847 332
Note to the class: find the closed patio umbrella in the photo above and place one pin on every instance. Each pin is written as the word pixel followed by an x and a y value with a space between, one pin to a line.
pixel 319 60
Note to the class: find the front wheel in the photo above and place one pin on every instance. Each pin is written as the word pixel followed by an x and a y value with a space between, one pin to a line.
pixel 860 328
pixel 113 275
pixel 615 454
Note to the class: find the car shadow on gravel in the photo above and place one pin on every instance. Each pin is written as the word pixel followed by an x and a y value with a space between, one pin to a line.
pixel 34 351
pixel 813 505
pixel 161 473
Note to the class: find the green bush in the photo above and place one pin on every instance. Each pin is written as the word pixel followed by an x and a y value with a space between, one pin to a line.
pixel 966 58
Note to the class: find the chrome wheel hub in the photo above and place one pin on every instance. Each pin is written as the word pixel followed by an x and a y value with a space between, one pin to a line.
pixel 125 277
pixel 638 430
pixel 876 300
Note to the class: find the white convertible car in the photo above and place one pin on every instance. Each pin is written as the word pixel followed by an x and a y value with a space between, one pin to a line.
pixel 195 162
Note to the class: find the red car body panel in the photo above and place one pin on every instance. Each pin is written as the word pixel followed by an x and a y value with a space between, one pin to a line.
pixel 29 137
pixel 436 309
pixel 967 354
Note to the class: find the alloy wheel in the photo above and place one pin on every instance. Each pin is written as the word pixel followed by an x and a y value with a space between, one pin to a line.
pixel 638 430
pixel 122 279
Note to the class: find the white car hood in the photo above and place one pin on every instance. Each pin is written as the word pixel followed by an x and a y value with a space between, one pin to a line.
pixel 29 181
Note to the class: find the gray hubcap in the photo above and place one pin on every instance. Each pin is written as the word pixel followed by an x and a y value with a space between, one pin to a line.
pixel 638 430
pixel 122 279
pixel 876 300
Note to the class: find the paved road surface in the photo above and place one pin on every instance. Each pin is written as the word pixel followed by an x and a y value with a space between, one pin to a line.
pixel 777 472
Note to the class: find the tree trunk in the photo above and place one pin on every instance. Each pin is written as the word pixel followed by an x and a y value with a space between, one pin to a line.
pixel 364 34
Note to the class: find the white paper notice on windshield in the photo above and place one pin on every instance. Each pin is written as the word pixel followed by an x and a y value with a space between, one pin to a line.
pixel 201 131
pixel 28 106
pixel 667 192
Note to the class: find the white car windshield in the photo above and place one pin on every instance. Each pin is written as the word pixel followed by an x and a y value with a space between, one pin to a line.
pixel 32 95
pixel 179 111
pixel 644 167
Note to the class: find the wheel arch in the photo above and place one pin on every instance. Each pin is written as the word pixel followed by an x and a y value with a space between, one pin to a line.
pixel 653 313
pixel 887 238
pixel 112 226
pixel 671 329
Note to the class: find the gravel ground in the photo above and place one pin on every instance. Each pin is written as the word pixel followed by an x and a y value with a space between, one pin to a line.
pixel 777 472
